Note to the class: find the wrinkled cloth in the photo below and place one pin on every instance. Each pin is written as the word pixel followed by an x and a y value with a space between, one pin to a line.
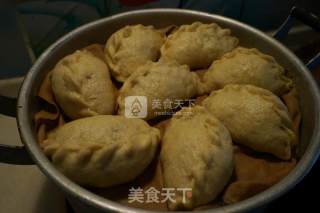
pixel 254 174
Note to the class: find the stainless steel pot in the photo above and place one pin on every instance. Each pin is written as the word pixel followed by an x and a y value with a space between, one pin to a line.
pixel 99 31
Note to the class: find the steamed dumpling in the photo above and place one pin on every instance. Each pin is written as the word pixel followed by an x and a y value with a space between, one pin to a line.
pixel 247 66
pixel 102 151
pixel 82 86
pixel 196 153
pixel 130 47
pixel 255 118
pixel 159 82
pixel 197 45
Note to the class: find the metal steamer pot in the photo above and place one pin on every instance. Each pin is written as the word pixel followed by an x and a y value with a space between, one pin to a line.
pixel 85 201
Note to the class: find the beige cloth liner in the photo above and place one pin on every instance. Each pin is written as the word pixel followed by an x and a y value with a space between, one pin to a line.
pixel 253 172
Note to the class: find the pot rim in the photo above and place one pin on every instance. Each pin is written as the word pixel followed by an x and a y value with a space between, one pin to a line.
pixel 24 121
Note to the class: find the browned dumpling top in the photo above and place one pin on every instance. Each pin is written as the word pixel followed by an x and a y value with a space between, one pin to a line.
pixel 196 154
pixel 247 66
pixel 198 44
pixel 130 47
pixel 160 81
pixel 255 117
pixel 82 86
pixel 103 150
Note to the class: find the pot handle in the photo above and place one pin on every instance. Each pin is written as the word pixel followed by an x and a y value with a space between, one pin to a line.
pixel 307 18
pixel 17 155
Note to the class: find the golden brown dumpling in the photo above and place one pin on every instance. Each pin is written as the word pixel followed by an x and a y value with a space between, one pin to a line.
pixel 102 151
pixel 198 44
pixel 82 86
pixel 247 66
pixel 196 153
pixel 255 117
pixel 159 82
pixel 130 47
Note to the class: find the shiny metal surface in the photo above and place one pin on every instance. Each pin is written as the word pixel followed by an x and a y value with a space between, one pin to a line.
pixel 100 30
